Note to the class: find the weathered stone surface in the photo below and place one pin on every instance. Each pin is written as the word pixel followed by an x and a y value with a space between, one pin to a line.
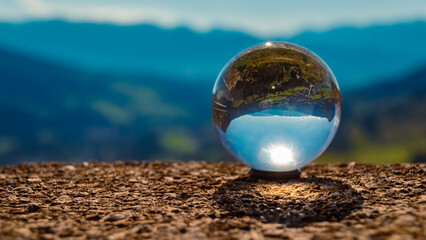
pixel 197 200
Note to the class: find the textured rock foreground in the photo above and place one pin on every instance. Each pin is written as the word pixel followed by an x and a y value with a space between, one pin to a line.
pixel 202 200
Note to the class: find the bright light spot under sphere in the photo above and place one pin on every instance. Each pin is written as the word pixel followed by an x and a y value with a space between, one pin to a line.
pixel 276 106
pixel 280 154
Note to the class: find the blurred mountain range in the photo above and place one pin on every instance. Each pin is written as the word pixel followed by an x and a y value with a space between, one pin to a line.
pixel 78 92
pixel 358 56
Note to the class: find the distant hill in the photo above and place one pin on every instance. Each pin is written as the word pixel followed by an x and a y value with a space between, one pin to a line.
pixel 392 110
pixel 358 56
pixel 51 112
pixel 384 122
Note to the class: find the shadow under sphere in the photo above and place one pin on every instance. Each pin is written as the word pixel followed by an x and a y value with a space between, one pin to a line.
pixel 294 203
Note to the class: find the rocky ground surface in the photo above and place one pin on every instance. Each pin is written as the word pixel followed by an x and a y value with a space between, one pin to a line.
pixel 194 200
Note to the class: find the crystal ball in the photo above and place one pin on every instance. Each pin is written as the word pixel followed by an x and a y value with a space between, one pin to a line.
pixel 276 106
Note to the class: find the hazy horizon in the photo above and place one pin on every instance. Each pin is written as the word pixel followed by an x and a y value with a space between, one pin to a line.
pixel 284 18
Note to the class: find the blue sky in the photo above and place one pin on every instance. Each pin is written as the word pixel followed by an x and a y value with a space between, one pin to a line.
pixel 261 18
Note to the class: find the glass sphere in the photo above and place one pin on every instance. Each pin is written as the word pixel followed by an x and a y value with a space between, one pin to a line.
pixel 276 106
